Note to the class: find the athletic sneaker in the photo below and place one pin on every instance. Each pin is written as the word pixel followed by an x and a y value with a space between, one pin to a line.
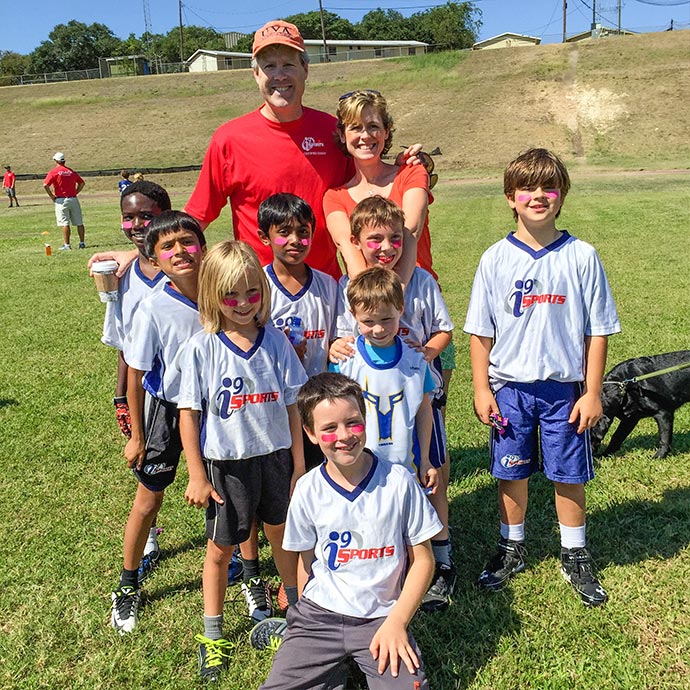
pixel 258 598
pixel 64 247
pixel 152 554
pixel 235 568
pixel 125 605
pixel 213 657
pixel 437 597
pixel 82 245
pixel 576 567
pixel 268 634
pixel 509 560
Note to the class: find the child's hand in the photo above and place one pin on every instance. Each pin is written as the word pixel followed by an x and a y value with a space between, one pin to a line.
pixel 430 353
pixel 300 349
pixel 198 492
pixel 135 452
pixel 391 643
pixel 430 478
pixel 588 408
pixel 341 349
pixel 484 405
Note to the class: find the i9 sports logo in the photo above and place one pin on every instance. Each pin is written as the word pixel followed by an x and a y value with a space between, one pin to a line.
pixel 236 392
pixel 527 293
pixel 339 549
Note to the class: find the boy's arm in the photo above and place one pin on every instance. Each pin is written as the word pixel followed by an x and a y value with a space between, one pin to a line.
pixel 588 408
pixel 306 558
pixel 122 413
pixel 199 489
pixel 484 401
pixel 391 643
pixel 135 450
pixel 423 423
pixel 434 346
pixel 297 449
pixel 338 225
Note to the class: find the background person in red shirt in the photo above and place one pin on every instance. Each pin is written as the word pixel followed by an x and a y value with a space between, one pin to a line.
pixel 66 184
pixel 8 186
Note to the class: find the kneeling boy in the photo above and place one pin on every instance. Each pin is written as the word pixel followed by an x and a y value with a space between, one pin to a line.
pixel 362 528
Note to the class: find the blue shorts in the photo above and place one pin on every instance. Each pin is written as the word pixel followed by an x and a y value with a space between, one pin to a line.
pixel 437 449
pixel 538 421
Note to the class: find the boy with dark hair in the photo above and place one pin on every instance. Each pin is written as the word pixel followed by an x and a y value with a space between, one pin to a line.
pixel 9 186
pixel 361 527
pixel 139 206
pixel 539 316
pixel 163 322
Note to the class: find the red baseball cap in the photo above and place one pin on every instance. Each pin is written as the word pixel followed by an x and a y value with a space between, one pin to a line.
pixel 277 32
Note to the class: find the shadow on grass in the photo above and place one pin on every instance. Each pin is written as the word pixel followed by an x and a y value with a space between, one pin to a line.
pixel 8 402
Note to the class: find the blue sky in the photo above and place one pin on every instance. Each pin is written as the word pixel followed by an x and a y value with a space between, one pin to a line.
pixel 24 26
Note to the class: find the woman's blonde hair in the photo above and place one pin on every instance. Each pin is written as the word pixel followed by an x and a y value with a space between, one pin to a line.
pixel 350 109
pixel 223 267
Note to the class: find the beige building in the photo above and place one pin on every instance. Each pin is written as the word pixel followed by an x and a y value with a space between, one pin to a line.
pixel 507 40
pixel 215 60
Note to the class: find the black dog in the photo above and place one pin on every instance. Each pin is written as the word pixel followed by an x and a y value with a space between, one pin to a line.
pixel 658 397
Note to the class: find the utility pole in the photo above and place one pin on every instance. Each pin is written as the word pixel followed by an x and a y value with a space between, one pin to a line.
pixel 323 34
pixel 619 17
pixel 179 5
pixel 565 7
pixel 594 16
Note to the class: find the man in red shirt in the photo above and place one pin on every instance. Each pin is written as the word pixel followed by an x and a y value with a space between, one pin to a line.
pixel 281 147
pixel 66 184
pixel 8 180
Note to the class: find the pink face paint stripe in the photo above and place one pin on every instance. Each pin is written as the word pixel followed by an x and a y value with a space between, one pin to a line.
pixel 192 249
pixel 523 198
pixel 253 299
pixel 357 428
pixel 305 241
pixel 280 241
pixel 127 225
pixel 167 254
pixel 552 194
pixel 329 438
pixel 396 244
pixel 229 302
pixel 373 245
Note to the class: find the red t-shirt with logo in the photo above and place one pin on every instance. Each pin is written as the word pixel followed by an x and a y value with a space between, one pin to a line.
pixel 251 158
pixel 407 177
pixel 8 179
pixel 64 181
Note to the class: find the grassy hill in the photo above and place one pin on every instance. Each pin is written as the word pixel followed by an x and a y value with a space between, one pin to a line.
pixel 617 103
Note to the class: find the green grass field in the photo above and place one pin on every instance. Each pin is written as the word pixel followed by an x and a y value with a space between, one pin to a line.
pixel 66 492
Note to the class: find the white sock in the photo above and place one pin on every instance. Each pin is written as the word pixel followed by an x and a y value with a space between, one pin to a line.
pixel 151 541
pixel 572 537
pixel 513 532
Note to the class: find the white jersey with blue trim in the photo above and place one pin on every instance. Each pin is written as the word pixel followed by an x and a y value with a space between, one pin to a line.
pixel 163 323
pixel 133 287
pixel 315 304
pixel 242 395
pixel 393 392
pixel 539 306
pixel 359 537
pixel 425 313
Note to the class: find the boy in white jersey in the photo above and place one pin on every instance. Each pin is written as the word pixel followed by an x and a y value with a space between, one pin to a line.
pixel 163 322
pixel 539 316
pixel 395 379
pixel 377 231
pixel 361 527
pixel 286 225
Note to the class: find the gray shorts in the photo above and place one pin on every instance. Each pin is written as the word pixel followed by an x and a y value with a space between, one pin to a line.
pixel 10 192
pixel 317 645
pixel 67 211
pixel 252 488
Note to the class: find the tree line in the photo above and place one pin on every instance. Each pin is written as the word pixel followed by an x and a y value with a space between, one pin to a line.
pixel 78 46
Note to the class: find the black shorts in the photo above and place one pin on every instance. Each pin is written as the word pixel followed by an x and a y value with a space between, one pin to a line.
pixel 254 488
pixel 163 444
